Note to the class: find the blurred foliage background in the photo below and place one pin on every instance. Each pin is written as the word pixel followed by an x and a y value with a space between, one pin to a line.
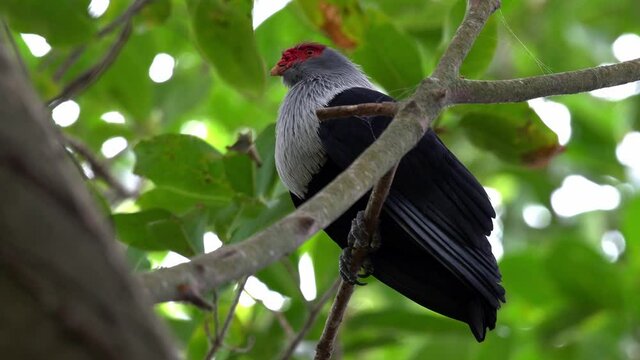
pixel 190 78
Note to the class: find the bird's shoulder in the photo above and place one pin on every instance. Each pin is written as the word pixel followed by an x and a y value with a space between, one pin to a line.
pixel 358 95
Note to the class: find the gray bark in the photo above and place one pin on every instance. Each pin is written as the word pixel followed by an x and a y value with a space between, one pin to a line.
pixel 66 291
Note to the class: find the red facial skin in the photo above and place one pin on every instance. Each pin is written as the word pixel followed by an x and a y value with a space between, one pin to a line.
pixel 295 55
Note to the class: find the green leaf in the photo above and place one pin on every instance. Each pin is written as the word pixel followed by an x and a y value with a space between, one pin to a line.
pixel 195 225
pixel 277 33
pixel 198 344
pixel 391 58
pixel 224 33
pixel 441 347
pixel 416 15
pixel 187 89
pixel 61 22
pixel 512 132
pixel 255 217
pixel 266 175
pixel 240 171
pixel 137 259
pixel 358 343
pixel 175 201
pixel 278 277
pixel 482 52
pixel 231 110
pixel 526 278
pixel 184 164
pixel 397 319
pixel 127 81
pixel 324 254
pixel 584 275
pixel 153 230
pixel 156 12
pixel 631 231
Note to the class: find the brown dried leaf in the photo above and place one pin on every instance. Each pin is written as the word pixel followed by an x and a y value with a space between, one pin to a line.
pixel 332 26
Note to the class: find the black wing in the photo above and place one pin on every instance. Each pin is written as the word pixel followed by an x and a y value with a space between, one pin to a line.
pixel 434 200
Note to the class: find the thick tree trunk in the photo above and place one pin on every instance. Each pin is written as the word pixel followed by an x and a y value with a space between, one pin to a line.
pixel 65 292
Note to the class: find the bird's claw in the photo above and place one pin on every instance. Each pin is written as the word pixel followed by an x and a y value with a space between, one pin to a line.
pixel 358 239
pixel 367 268
pixel 345 268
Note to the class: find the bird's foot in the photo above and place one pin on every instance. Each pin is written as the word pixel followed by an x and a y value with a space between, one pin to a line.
pixel 345 267
pixel 358 240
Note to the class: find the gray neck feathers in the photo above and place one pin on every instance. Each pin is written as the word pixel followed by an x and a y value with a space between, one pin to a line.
pixel 299 152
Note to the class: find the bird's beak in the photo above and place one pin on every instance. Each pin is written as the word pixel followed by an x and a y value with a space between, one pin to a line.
pixel 277 70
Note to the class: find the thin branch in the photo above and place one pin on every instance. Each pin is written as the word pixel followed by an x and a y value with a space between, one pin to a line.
pixel 88 77
pixel 311 319
pixel 284 323
pixel 227 322
pixel 251 340
pixel 478 12
pixel 245 145
pixel 69 62
pixel 324 349
pixel 99 168
pixel 572 82
pixel 193 296
pixel 214 318
pixel 125 17
pixel 380 109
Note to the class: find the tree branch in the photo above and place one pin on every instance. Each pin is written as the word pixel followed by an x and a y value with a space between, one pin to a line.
pixel 99 168
pixel 381 109
pixel 463 91
pixel 324 349
pixel 59 265
pixel 221 333
pixel 478 12
pixel 311 319
pixel 572 82
pixel 88 77
pixel 125 17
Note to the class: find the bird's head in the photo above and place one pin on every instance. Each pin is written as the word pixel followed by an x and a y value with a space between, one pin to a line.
pixel 308 60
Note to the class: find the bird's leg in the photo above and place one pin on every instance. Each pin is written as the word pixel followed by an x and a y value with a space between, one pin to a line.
pixel 358 240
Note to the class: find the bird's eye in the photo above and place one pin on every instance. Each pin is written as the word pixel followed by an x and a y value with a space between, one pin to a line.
pixel 309 52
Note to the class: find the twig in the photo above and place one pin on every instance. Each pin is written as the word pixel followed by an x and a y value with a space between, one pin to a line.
pixel 478 12
pixel 100 169
pixel 324 349
pixel 215 319
pixel 284 323
pixel 91 75
pixel 227 322
pixel 68 62
pixel 245 145
pixel 381 109
pixel 251 340
pixel 311 319
pixel 77 52
pixel 125 17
